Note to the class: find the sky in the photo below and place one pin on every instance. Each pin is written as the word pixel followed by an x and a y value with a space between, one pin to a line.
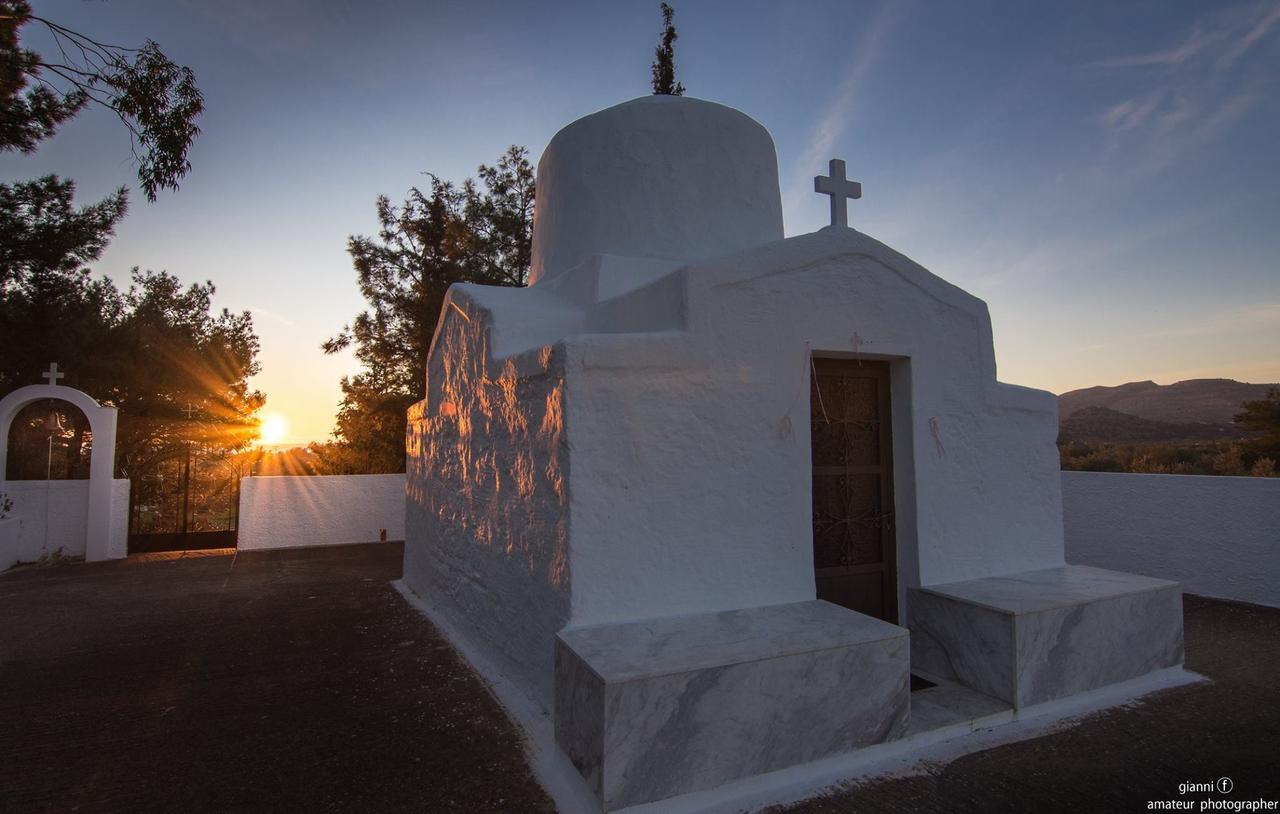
pixel 1105 175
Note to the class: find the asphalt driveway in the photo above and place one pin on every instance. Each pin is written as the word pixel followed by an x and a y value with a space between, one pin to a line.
pixel 302 681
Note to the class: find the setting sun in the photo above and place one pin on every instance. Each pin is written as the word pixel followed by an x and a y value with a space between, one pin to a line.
pixel 273 429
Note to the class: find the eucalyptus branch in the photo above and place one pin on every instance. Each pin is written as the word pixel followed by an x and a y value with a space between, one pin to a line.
pixel 156 100
pixel 76 36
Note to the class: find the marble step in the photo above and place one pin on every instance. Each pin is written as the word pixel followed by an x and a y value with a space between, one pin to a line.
pixel 1037 636
pixel 650 710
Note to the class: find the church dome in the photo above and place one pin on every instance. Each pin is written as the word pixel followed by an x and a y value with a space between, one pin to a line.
pixel 666 177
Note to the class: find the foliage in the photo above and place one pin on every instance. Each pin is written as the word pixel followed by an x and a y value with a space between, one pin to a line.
pixel 51 559
pixel 156 100
pixel 479 232
pixel 1253 455
pixel 42 230
pixel 6 505
pixel 1218 458
pixel 664 60
pixel 150 351
pixel 1262 417
pixel 370 428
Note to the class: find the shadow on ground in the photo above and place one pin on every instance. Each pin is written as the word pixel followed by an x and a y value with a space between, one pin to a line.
pixel 271 681
pixel 1121 759
pixel 302 681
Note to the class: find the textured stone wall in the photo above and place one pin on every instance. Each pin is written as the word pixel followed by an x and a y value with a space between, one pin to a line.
pixel 487 518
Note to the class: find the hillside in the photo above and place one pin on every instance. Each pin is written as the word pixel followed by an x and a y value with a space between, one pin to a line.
pixel 1211 403
pixel 1100 424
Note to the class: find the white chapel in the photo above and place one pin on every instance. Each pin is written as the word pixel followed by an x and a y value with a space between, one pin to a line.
pixel 700 482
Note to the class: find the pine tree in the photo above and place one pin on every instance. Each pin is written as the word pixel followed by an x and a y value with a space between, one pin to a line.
pixel 664 62
pixel 478 232
pixel 1262 419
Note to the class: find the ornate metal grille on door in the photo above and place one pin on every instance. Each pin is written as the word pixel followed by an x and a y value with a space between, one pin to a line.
pixel 853 531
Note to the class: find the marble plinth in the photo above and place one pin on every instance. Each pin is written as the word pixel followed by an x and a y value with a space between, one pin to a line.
pixel 1040 635
pixel 649 710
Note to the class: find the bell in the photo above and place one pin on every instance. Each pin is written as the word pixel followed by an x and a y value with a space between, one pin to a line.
pixel 54 422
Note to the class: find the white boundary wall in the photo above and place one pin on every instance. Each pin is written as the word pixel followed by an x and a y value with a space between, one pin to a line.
pixel 66 505
pixel 1218 536
pixel 296 511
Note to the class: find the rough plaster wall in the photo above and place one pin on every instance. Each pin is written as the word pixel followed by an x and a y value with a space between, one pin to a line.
pixel 1218 536
pixel 987 494
pixel 118 540
pixel 691 471
pixel 487 531
pixel 674 509
pixel 904 486
pixel 67 502
pixel 689 489
pixel 98 543
pixel 290 512
pixel 659 176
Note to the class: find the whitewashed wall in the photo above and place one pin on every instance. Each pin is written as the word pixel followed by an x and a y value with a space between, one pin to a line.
pixel 290 512
pixel 65 504
pixel 1218 536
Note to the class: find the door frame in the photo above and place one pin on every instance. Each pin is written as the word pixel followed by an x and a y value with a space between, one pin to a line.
pixel 887 374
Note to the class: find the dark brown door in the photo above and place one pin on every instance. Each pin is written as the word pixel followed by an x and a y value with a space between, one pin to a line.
pixel 854 551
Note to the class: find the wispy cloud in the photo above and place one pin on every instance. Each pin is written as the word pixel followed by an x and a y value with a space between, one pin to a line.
pixel 265 29
pixel 1257 372
pixel 1254 34
pixel 835 119
pixel 1188 94
pixel 1248 318
pixel 1175 55
pixel 1255 319
pixel 838 113
pixel 1219 40
pixel 263 312
pixel 997 266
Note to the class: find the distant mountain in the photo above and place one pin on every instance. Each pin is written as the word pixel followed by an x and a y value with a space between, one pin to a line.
pixel 1103 424
pixel 1212 402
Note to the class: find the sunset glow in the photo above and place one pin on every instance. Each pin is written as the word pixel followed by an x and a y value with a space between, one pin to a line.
pixel 273 429
pixel 1061 176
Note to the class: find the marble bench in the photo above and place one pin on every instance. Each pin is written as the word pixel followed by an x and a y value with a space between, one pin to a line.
pixel 1037 636
pixel 649 710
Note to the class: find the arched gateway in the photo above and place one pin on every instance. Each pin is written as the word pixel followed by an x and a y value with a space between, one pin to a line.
pixel 102 423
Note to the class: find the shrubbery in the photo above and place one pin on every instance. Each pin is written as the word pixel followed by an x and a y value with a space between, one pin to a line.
pixel 1219 458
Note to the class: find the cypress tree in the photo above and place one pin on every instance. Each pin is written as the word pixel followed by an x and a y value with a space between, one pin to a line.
pixel 664 62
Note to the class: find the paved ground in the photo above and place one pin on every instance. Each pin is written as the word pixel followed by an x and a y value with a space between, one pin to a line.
pixel 1121 759
pixel 277 681
pixel 301 681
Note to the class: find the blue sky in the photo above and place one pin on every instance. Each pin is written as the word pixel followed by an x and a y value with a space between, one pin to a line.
pixel 1106 176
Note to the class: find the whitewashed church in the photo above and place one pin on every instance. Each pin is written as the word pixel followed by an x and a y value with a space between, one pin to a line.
pixel 716 499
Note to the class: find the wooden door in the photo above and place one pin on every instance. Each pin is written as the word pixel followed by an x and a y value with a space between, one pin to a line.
pixel 854 550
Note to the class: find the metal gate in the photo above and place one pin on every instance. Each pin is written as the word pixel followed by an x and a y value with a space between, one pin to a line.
pixel 188 501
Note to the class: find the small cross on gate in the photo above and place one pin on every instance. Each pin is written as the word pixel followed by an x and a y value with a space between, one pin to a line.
pixel 189 410
pixel 52 374
pixel 840 189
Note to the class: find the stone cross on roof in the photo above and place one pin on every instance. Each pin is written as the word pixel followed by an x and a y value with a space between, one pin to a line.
pixel 839 189
pixel 52 374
